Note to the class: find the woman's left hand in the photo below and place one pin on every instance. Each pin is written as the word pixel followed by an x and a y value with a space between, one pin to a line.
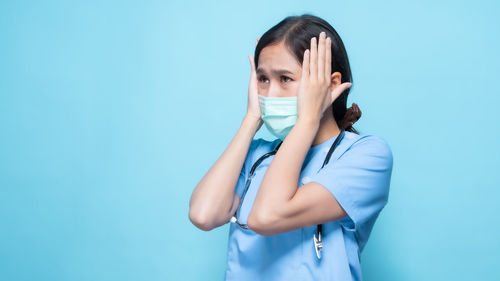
pixel 315 93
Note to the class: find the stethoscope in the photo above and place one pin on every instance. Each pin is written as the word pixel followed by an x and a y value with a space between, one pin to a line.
pixel 318 243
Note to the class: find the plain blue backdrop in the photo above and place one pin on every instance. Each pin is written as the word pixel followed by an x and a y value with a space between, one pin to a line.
pixel 112 111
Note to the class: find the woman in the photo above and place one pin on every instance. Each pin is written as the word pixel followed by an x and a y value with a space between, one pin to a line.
pixel 302 206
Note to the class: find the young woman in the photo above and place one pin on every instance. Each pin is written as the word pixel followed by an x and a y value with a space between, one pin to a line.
pixel 300 207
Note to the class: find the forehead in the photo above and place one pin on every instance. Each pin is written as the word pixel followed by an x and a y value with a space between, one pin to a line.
pixel 277 56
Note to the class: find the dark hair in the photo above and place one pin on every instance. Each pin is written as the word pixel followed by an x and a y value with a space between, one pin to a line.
pixel 296 32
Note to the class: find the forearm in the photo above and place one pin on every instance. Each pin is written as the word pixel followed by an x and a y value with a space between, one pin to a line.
pixel 213 196
pixel 281 179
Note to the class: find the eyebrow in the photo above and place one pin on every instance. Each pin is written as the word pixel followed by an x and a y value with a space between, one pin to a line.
pixel 275 71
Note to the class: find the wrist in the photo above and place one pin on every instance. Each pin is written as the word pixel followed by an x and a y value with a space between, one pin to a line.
pixel 306 129
pixel 252 121
pixel 309 121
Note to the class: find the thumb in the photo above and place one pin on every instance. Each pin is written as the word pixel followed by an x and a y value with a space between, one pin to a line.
pixel 252 64
pixel 340 89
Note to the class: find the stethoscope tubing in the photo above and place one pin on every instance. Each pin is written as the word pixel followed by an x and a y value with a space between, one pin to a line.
pixel 317 239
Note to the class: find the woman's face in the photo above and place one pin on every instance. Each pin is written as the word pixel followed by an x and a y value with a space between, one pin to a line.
pixel 278 73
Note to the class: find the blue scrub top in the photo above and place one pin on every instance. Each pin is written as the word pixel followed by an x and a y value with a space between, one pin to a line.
pixel 358 175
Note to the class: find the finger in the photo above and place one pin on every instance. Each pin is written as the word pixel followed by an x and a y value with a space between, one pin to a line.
pixel 328 58
pixel 256 42
pixel 340 89
pixel 321 56
pixel 313 59
pixel 252 64
pixel 305 64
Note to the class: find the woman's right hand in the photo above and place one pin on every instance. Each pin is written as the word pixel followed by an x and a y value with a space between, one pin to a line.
pixel 253 107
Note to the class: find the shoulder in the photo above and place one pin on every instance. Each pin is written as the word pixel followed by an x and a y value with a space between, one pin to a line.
pixel 369 144
pixel 371 141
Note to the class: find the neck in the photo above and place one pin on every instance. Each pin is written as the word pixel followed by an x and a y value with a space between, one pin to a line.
pixel 327 129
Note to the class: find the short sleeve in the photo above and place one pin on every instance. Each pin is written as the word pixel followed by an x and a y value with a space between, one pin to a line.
pixel 247 164
pixel 359 180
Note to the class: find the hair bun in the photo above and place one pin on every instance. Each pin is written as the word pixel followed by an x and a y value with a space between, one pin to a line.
pixel 352 115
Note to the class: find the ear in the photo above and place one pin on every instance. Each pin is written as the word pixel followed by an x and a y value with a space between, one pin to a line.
pixel 336 79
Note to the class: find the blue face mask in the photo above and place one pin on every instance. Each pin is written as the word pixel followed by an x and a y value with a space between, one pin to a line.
pixel 279 114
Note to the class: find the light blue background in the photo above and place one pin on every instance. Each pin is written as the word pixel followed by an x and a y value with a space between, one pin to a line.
pixel 112 111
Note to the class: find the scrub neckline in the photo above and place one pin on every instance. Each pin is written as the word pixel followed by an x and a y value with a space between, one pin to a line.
pixel 326 143
pixel 315 148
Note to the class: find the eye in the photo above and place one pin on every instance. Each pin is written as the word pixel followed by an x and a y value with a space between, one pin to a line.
pixel 290 79
pixel 261 78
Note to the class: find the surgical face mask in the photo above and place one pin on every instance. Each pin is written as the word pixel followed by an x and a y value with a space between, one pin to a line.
pixel 279 114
